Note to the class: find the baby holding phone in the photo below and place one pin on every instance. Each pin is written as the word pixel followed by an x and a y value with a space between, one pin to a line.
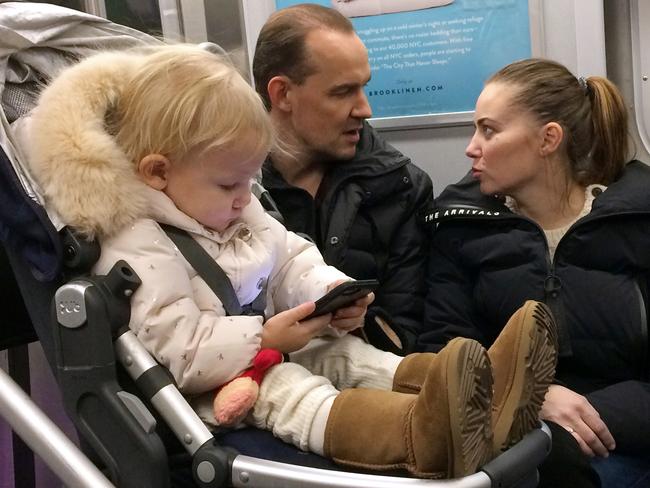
pixel 174 135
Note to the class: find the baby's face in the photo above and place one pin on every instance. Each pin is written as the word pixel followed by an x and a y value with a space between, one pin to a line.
pixel 213 187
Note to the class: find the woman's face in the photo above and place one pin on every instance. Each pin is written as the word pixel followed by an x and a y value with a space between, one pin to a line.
pixel 505 148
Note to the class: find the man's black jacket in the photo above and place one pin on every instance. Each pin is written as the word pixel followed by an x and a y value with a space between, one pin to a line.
pixel 365 220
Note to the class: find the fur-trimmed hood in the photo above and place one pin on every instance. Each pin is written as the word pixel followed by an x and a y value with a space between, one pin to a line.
pixel 85 176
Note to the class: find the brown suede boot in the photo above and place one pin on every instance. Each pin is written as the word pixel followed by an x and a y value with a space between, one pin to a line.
pixel 444 431
pixel 523 360
pixel 411 372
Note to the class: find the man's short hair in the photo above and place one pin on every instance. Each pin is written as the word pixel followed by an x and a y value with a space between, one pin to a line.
pixel 280 48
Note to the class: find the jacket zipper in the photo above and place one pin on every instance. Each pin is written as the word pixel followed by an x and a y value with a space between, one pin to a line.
pixel 558 311
pixel 552 289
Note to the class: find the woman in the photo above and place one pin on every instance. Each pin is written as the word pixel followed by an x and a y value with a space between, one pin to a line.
pixel 552 211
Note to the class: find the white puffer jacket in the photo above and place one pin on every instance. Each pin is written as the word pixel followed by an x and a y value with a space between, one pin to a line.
pixel 87 180
pixel 177 316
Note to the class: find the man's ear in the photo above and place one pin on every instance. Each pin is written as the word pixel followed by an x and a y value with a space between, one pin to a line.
pixel 552 136
pixel 278 89
pixel 153 169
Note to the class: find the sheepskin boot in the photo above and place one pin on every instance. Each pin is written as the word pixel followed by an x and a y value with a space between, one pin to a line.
pixel 411 372
pixel 444 431
pixel 523 360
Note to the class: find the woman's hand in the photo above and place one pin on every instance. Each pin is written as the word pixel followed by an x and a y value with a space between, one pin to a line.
pixel 574 412
pixel 285 331
pixel 351 317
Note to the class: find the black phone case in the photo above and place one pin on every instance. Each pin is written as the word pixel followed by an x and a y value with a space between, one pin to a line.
pixel 342 295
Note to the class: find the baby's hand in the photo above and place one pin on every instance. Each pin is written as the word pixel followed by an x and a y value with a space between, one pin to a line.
pixel 285 331
pixel 351 317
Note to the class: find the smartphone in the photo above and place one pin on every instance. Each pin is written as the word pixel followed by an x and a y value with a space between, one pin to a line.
pixel 342 295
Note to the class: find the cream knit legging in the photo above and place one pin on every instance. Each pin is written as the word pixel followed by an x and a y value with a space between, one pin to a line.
pixel 295 397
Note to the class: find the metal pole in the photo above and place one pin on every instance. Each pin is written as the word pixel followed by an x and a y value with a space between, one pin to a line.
pixel 46 439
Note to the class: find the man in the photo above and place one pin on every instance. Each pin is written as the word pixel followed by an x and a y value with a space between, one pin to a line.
pixel 333 178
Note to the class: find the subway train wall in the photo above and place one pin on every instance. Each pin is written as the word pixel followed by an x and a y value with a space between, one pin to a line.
pixel 572 32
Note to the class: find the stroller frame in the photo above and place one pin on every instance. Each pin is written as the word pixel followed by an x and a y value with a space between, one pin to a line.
pixel 69 308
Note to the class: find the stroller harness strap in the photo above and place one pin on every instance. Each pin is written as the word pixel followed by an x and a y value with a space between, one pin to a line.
pixel 214 276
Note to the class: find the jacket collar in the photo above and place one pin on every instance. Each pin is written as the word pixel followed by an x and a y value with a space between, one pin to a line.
pixel 628 194
pixel 374 157
pixel 163 210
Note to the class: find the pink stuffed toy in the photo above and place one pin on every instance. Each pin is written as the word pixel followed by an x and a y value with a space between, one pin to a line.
pixel 234 399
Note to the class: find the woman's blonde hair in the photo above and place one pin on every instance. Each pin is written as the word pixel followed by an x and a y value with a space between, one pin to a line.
pixel 182 97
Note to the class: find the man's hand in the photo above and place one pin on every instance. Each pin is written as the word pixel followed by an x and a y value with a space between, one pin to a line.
pixel 574 412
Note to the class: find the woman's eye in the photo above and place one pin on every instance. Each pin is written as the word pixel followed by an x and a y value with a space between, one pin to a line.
pixel 487 131
pixel 228 187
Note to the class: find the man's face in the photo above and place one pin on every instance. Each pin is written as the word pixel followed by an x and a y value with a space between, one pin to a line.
pixel 328 108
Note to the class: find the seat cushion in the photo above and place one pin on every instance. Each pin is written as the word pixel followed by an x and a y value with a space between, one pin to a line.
pixel 262 444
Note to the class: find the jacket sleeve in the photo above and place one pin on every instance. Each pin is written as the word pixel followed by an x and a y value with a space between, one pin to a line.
pixel 403 281
pixel 449 309
pixel 200 346
pixel 625 409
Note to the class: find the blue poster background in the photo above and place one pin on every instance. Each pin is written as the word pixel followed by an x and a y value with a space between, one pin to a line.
pixel 435 60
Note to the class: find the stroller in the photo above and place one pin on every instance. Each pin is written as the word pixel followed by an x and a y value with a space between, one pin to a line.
pixel 118 432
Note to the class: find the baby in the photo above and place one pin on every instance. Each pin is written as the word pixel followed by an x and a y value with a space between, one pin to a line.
pixel 123 143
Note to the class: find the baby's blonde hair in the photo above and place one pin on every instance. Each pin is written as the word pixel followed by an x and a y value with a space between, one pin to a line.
pixel 183 97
